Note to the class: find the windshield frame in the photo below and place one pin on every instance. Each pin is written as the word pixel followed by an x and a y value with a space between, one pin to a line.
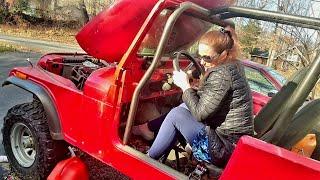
pixel 151 40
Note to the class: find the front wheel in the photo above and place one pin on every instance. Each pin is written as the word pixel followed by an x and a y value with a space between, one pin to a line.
pixel 31 151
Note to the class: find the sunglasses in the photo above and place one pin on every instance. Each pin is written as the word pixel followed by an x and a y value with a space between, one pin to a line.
pixel 208 58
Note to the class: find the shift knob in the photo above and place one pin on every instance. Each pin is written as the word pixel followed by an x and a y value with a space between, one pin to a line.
pixel 166 87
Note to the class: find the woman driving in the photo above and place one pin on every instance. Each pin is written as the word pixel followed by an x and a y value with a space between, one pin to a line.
pixel 214 117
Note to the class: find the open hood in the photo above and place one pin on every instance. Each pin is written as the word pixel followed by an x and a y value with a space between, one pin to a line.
pixel 109 34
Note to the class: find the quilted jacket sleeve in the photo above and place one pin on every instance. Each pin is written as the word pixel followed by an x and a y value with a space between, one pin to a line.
pixel 215 88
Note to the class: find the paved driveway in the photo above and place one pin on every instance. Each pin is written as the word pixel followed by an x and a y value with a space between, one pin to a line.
pixel 11 95
pixel 40 45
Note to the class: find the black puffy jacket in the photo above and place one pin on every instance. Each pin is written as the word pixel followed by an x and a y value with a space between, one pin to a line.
pixel 224 103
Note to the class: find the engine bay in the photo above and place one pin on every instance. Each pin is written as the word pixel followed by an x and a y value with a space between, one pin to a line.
pixel 76 67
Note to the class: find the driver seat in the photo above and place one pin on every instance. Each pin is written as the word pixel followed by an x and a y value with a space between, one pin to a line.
pixel 268 116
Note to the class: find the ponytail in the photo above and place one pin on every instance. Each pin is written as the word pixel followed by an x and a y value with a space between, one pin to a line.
pixel 224 43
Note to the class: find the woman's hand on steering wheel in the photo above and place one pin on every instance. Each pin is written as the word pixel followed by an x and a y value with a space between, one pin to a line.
pixel 199 70
pixel 181 79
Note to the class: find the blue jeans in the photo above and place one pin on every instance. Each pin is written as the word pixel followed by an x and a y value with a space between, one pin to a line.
pixel 179 121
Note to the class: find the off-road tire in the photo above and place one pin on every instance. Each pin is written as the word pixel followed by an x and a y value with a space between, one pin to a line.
pixel 48 151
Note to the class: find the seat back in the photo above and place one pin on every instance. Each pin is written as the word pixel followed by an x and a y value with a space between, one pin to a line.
pixel 302 123
pixel 269 114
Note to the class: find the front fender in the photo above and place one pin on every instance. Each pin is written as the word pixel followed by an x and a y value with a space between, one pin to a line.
pixel 45 99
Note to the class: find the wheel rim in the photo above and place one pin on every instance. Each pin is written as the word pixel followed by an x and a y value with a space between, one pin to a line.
pixel 22 145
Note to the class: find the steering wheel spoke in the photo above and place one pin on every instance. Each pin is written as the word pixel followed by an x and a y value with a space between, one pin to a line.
pixel 189 67
pixel 176 65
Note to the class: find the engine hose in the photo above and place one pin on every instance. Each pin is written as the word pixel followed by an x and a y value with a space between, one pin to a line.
pixel 83 59
pixel 73 60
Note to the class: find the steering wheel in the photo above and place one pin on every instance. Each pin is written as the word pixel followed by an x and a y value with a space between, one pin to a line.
pixel 176 65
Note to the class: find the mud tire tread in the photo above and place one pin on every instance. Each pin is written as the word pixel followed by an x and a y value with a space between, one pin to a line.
pixel 49 151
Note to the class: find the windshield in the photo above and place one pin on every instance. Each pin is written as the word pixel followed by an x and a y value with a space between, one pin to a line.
pixel 184 35
pixel 282 80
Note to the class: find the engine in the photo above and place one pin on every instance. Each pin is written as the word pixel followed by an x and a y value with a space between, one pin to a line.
pixel 79 72
pixel 75 67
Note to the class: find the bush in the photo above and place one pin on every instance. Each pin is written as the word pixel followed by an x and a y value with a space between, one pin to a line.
pixel 4 10
pixel 21 6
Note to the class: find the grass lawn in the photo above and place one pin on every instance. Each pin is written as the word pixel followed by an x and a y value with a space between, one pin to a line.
pixel 62 35
pixel 6 48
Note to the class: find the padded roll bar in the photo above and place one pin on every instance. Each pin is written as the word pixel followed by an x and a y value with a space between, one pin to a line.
pixel 264 15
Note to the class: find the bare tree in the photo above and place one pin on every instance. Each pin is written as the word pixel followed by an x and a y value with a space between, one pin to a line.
pixel 306 40
pixel 260 4
pixel 284 37
pixel 55 4
pixel 43 7
pixel 84 11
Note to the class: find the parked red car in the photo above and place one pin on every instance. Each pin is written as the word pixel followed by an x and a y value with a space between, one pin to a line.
pixel 264 83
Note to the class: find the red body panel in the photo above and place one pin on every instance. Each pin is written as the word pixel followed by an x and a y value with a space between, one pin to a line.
pixel 109 35
pixel 91 124
pixel 259 101
pixel 256 159
pixel 113 30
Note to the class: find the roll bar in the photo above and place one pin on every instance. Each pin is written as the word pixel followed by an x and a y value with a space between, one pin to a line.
pixel 218 16
pixel 163 41
pixel 264 15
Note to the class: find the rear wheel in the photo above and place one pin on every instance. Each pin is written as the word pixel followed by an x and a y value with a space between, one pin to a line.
pixel 31 151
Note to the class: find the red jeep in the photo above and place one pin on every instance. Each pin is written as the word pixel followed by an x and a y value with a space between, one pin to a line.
pixel 89 102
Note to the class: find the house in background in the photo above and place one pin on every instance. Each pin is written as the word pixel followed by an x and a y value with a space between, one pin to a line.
pixel 259 56
pixel 284 60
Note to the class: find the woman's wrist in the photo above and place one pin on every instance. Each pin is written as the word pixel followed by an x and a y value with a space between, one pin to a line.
pixel 187 86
